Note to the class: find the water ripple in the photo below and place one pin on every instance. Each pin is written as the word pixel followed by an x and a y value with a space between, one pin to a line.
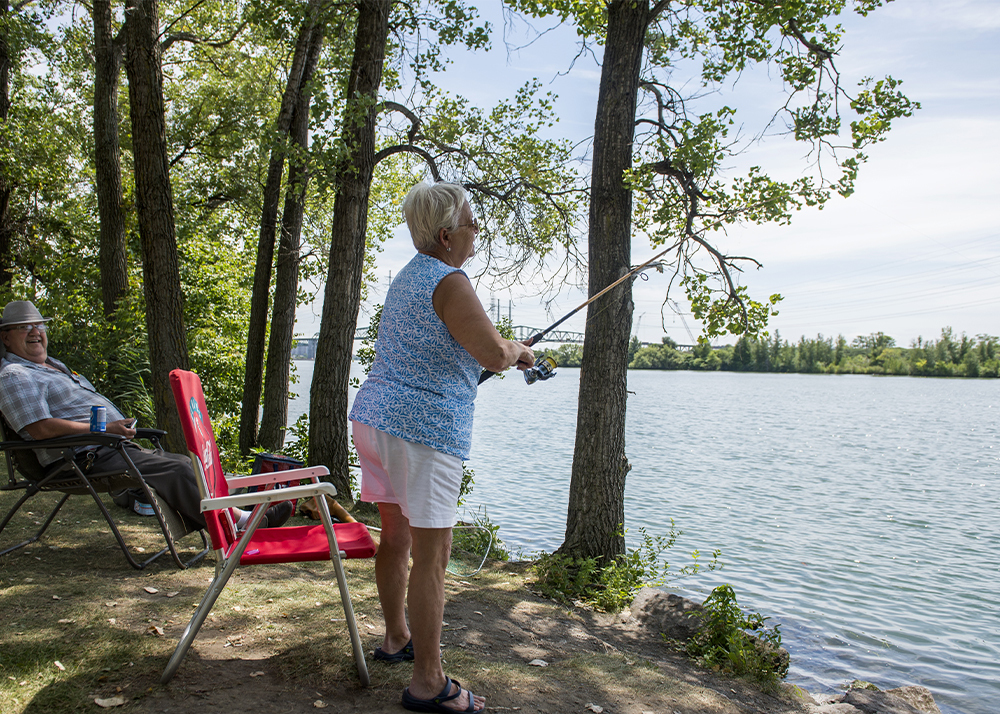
pixel 860 513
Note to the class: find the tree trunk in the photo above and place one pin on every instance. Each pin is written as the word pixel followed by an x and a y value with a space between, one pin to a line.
pixel 596 515
pixel 6 183
pixel 259 298
pixel 286 282
pixel 155 209
pixel 113 256
pixel 328 396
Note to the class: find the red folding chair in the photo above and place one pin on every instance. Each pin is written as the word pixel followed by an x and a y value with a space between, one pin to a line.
pixel 325 541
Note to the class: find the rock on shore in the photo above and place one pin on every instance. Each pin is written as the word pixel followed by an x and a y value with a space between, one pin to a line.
pixel 677 618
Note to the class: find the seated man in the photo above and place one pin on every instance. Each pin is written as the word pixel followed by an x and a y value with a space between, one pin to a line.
pixel 42 399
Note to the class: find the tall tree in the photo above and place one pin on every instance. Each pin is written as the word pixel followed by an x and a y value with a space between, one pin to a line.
pixel 597 491
pixel 516 179
pixel 286 281
pixel 662 150
pixel 108 51
pixel 154 202
pixel 260 297
pixel 6 180
pixel 328 392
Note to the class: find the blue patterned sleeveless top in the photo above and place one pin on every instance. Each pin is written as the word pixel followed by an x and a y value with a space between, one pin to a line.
pixel 422 385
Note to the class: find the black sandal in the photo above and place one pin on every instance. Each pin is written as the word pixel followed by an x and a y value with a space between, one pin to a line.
pixel 436 704
pixel 404 655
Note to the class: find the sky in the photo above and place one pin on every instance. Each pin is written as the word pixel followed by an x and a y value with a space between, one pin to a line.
pixel 914 250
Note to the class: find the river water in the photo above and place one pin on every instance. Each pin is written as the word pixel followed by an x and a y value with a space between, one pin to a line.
pixel 860 513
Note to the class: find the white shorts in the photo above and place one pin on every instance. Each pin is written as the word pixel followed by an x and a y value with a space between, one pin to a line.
pixel 424 483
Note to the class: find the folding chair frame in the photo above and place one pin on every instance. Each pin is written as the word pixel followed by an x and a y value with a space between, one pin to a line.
pixel 297 543
pixel 226 564
pixel 69 479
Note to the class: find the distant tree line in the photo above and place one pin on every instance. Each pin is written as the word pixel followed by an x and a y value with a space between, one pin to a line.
pixel 877 353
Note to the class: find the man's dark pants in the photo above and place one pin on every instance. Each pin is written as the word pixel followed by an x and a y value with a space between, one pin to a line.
pixel 172 475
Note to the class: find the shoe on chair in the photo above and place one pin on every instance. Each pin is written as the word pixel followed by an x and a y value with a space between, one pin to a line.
pixel 276 515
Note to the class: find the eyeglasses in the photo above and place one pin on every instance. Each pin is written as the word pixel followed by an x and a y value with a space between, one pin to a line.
pixel 474 225
pixel 27 328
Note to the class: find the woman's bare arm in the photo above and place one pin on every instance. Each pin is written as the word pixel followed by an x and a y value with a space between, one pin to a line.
pixel 458 306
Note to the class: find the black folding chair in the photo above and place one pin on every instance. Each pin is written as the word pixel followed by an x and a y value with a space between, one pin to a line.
pixel 69 477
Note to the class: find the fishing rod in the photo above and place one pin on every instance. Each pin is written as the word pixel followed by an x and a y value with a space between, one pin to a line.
pixel 546 371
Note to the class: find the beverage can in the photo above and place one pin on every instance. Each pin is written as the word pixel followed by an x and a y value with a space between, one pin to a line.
pixel 98 418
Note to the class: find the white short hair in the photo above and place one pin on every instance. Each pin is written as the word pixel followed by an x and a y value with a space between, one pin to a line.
pixel 428 208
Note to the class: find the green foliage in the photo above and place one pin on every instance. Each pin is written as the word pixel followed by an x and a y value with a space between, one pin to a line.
pixel 722 312
pixel 736 642
pixel 612 586
pixel 468 481
pixel 568 355
pixel 297 439
pixel 867 354
pixel 366 352
pixel 474 542
pixel 687 134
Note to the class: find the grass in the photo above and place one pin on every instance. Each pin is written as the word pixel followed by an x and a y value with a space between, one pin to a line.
pixel 72 599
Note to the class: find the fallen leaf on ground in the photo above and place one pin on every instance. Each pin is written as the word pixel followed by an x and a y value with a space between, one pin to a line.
pixel 175 593
pixel 150 590
pixel 110 604
pixel 59 666
pixel 597 709
pixel 66 621
pixel 155 630
pixel 256 674
pixel 538 663
pixel 320 704
pixel 111 702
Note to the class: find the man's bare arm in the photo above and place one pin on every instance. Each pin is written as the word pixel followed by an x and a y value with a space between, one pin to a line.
pixel 51 428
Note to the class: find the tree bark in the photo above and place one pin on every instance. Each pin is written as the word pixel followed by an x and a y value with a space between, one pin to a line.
pixel 6 183
pixel 107 162
pixel 260 297
pixel 596 514
pixel 286 282
pixel 331 372
pixel 155 209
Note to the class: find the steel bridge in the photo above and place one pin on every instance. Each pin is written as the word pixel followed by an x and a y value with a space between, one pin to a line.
pixel 305 347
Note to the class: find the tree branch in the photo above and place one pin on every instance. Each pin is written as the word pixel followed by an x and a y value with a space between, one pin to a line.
pixel 194 39
pixel 410 149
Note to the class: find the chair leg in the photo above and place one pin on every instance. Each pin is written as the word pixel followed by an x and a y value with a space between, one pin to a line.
pixel 16 508
pixel 114 528
pixel 214 591
pixel 345 595
pixel 352 623
pixel 171 522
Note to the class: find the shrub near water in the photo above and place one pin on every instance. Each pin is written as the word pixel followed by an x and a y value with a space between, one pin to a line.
pixel 611 587
pixel 737 642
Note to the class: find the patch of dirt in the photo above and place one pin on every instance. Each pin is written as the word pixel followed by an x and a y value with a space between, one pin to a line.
pixel 494 629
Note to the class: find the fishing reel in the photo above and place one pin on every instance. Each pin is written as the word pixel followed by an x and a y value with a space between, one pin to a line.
pixel 545 368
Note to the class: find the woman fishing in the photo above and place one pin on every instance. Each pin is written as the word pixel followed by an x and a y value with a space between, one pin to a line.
pixel 412 427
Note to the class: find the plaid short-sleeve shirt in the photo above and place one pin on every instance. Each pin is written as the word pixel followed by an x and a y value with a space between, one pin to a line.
pixel 30 392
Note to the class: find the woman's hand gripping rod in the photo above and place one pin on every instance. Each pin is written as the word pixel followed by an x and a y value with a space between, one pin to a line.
pixel 537 337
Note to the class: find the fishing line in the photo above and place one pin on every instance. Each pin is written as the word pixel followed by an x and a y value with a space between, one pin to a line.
pixel 537 337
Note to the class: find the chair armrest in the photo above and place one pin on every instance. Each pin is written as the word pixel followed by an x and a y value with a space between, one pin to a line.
pixel 275 477
pixel 252 499
pixel 149 433
pixel 61 442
